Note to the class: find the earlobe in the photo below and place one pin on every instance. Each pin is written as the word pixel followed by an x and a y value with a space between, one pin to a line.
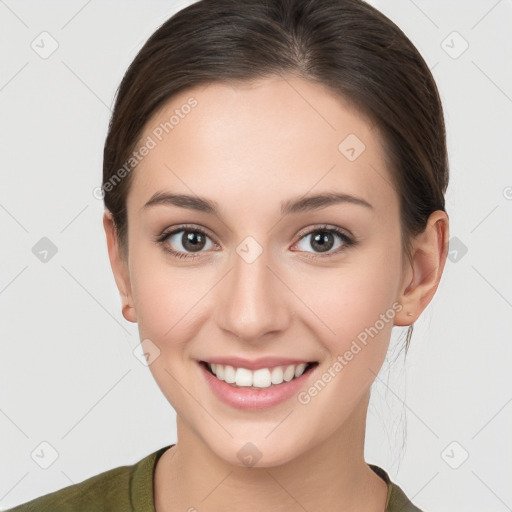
pixel 423 272
pixel 128 311
pixel 119 268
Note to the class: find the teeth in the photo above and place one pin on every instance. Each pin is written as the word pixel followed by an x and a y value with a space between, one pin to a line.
pixel 262 378
pixel 299 370
pixel 229 374
pixel 244 377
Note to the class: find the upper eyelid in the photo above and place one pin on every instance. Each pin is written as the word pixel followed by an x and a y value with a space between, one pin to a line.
pixel 326 227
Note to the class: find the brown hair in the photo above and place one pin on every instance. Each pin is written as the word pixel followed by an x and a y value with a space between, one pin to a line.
pixel 346 45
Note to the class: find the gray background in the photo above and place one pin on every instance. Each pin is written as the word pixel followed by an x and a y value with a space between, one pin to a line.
pixel 439 423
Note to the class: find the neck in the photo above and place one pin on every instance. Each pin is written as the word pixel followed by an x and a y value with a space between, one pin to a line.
pixel 190 476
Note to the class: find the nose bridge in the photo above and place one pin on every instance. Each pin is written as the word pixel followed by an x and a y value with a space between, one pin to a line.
pixel 252 302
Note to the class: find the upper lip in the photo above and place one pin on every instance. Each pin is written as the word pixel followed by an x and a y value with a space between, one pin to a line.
pixel 256 364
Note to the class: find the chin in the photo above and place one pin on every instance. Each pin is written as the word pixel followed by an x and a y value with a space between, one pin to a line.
pixel 258 453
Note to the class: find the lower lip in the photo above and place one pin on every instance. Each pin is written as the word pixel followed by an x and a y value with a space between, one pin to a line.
pixel 245 398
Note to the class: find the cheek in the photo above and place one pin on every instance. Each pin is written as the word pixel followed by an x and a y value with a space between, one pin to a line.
pixel 165 296
pixel 355 318
pixel 353 305
pixel 167 300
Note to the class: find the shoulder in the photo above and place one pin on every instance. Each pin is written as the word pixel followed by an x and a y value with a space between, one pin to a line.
pixel 123 488
pixel 397 501
pixel 100 492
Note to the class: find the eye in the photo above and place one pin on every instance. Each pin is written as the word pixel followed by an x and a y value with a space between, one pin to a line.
pixel 189 241
pixel 323 239
pixel 185 240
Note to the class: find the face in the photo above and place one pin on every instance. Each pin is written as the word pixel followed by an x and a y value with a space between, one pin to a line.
pixel 255 277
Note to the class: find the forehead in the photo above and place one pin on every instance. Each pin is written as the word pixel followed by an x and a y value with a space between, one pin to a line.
pixel 256 140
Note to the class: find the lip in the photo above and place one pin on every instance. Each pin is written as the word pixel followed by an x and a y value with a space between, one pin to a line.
pixel 253 399
pixel 256 364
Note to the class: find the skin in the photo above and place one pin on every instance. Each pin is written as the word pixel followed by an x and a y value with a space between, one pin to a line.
pixel 248 147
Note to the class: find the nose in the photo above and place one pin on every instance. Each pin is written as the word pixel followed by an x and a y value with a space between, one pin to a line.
pixel 253 301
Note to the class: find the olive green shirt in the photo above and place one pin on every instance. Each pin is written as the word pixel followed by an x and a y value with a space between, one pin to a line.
pixel 130 488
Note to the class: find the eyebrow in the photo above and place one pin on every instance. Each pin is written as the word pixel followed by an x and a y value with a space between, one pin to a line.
pixel 291 206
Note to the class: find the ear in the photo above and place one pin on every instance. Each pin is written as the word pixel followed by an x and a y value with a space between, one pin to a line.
pixel 119 267
pixel 423 272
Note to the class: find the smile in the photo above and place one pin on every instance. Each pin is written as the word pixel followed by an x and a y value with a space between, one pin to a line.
pixel 261 378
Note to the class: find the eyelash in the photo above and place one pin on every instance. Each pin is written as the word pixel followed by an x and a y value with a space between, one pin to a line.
pixel 347 240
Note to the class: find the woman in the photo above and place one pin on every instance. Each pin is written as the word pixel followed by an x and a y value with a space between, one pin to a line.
pixel 274 179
